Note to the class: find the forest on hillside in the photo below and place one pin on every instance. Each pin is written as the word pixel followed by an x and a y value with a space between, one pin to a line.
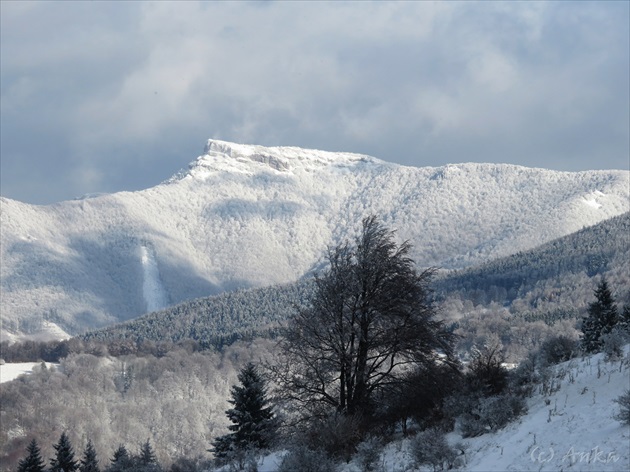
pixel 537 292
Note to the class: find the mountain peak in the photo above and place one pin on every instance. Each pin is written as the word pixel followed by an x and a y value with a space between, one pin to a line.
pixel 224 156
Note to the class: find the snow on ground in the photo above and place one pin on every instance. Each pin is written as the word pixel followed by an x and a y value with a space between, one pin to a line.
pixel 571 429
pixel 13 370
pixel 48 331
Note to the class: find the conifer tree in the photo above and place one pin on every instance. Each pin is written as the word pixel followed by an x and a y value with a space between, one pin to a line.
pixel 89 463
pixel 120 454
pixel 33 462
pixel 121 461
pixel 147 456
pixel 64 456
pixel 253 420
pixel 602 318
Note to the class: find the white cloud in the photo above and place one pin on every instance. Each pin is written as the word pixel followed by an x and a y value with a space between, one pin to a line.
pixel 120 82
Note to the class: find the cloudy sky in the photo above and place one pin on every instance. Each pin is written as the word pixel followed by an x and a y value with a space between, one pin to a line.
pixel 108 96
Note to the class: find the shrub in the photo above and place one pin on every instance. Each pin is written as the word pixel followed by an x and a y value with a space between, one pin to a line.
pixel 368 453
pixel 430 447
pixel 624 408
pixel 183 464
pixel 303 459
pixel 486 372
pixel 459 404
pixel 526 376
pixel 241 460
pixel 337 435
pixel 491 414
pixel 471 426
pixel 613 343
pixel 558 349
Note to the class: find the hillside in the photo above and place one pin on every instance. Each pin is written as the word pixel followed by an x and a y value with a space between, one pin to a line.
pixel 557 274
pixel 216 320
pixel 556 278
pixel 568 427
pixel 248 216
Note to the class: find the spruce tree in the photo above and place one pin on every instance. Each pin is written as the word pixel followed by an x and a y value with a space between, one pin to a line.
pixel 64 456
pixel 253 420
pixel 602 318
pixel 89 463
pixel 120 454
pixel 121 461
pixel 147 456
pixel 147 460
pixel 33 462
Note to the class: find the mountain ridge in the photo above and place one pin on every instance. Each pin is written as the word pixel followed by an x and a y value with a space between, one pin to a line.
pixel 248 216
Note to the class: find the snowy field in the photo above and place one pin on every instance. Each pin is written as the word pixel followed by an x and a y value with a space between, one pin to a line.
pixel 12 371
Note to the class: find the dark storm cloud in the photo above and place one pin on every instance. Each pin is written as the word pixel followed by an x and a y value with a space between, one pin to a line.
pixel 106 96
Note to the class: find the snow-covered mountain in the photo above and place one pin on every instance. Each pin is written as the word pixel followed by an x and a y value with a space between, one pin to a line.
pixel 246 216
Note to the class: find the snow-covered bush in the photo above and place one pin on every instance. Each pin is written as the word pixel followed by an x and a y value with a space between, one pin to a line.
pixel 430 447
pixel 458 404
pixel 491 414
pixel 526 376
pixel 471 426
pixel 486 374
pixel 240 460
pixel 624 408
pixel 558 349
pixel 303 459
pixel 184 464
pixel 613 343
pixel 368 453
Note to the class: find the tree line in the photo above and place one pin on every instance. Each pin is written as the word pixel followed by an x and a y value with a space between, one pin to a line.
pixel 64 459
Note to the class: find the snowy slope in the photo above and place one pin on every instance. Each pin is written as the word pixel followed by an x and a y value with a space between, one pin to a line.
pixel 571 429
pixel 246 216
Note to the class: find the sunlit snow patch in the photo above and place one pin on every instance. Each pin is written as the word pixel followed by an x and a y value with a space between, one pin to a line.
pixel 152 288
pixel 11 371
pixel 591 200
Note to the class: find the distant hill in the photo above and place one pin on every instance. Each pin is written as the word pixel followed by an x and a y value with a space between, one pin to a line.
pixel 551 275
pixel 214 321
pixel 248 216
pixel 554 279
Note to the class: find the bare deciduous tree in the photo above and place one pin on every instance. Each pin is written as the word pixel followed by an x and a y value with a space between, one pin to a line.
pixel 370 321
